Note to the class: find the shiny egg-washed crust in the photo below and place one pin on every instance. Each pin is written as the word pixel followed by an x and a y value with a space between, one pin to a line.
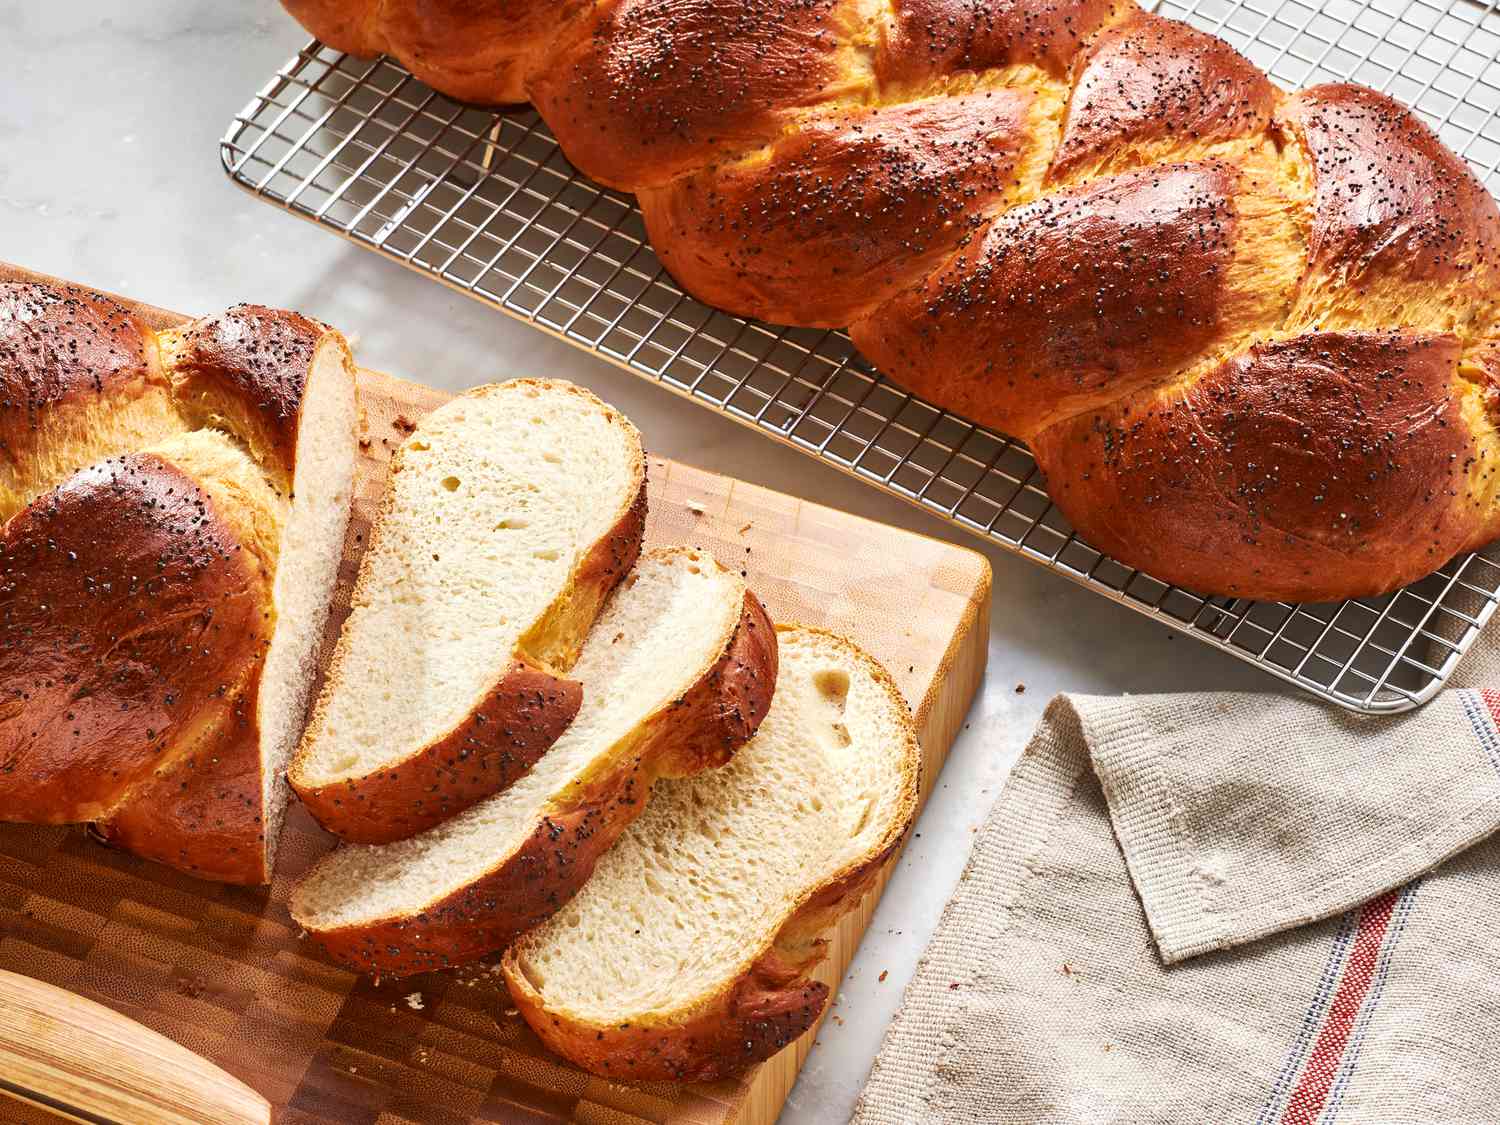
pixel 768 1001
pixel 1038 214
pixel 137 557
pixel 697 731
pixel 523 713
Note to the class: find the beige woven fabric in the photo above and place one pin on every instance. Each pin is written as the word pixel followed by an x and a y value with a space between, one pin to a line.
pixel 1214 908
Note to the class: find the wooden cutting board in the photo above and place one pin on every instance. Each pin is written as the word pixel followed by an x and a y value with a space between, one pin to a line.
pixel 222 971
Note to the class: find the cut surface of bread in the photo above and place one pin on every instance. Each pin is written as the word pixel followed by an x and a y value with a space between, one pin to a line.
pixel 685 956
pixel 307 567
pixel 510 514
pixel 676 674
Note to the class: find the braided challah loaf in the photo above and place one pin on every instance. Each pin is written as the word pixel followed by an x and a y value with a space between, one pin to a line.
pixel 172 514
pixel 1252 337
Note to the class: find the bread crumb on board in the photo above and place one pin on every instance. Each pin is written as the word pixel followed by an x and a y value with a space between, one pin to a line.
pixel 414 1001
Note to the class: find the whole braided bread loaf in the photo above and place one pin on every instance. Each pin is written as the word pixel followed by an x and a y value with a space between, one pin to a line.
pixel 1252 337
pixel 172 515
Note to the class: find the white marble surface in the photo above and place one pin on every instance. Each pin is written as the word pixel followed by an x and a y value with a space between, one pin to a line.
pixel 110 116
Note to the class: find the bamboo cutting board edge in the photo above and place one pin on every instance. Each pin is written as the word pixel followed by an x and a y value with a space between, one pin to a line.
pixel 945 666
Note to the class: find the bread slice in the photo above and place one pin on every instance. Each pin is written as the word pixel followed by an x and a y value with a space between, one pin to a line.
pixel 676 675
pixel 685 957
pixel 307 567
pixel 511 513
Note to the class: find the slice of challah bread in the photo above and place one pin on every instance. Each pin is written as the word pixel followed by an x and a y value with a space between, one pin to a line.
pixel 685 956
pixel 677 673
pixel 511 513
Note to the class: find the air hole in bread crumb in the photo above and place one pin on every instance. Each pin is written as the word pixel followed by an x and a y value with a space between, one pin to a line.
pixel 512 523
pixel 841 735
pixel 419 446
pixel 833 683
pixel 549 555
pixel 451 483
pixel 864 817
pixel 551 458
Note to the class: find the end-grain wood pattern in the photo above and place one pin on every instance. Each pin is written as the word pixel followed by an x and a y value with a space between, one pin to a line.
pixel 223 971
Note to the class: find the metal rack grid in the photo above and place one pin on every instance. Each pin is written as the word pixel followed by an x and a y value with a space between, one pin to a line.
pixel 486 203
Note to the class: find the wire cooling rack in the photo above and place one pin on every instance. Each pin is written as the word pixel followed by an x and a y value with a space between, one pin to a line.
pixel 485 202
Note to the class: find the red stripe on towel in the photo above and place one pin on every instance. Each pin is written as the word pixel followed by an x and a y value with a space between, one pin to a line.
pixel 1311 1094
pixel 1491 699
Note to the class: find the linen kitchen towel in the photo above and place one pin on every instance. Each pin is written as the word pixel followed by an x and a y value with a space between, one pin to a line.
pixel 1215 908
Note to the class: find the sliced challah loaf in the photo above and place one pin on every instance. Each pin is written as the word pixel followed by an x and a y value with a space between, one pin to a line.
pixel 685 956
pixel 676 674
pixel 174 508
pixel 511 513
pixel 1251 336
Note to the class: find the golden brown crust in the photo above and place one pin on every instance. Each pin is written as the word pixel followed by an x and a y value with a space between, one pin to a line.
pixel 505 733
pixel 1072 300
pixel 769 1002
pixel 204 812
pixel 725 708
pixel 1147 81
pixel 640 91
pixel 1174 209
pixel 79 381
pixel 767 1007
pixel 925 39
pixel 137 559
pixel 840 214
pixel 701 729
pixel 245 370
pixel 1390 200
pixel 345 25
pixel 119 585
pixel 62 344
pixel 1330 464
pixel 135 628
pixel 474 52
pixel 502 738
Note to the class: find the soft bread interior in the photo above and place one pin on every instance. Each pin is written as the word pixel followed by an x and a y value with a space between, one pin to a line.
pixel 664 628
pixel 494 498
pixel 312 544
pixel 704 879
